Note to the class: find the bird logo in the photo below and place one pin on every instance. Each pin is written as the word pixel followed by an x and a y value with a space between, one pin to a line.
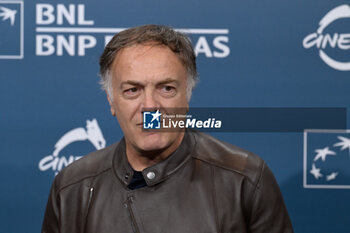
pixel 8 14
pixel 328 164
pixel 322 153
pixel 316 172
pixel 344 143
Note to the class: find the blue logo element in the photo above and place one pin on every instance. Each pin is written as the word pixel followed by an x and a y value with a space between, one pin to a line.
pixel 327 159
pixel 151 120
pixel 11 29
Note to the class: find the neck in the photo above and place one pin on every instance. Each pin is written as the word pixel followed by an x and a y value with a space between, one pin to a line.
pixel 139 160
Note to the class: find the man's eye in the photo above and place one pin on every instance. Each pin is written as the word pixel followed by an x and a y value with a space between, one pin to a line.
pixel 168 91
pixel 131 91
pixel 168 88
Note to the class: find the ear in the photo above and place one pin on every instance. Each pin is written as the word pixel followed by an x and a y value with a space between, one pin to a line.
pixel 111 105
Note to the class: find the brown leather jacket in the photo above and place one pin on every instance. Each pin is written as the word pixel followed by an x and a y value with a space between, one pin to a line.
pixel 205 186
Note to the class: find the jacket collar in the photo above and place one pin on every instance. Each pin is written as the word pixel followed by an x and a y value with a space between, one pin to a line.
pixel 158 172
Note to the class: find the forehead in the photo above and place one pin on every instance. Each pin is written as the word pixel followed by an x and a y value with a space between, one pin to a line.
pixel 147 59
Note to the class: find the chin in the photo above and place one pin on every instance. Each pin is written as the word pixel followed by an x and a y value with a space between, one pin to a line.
pixel 153 142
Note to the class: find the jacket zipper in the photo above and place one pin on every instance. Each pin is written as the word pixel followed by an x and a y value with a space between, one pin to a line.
pixel 91 192
pixel 131 216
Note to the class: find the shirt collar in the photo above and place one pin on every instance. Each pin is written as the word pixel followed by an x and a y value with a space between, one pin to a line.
pixel 158 172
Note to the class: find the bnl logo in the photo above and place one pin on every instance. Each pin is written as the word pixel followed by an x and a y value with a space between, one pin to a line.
pixel 151 120
pixel 11 30
pixel 327 159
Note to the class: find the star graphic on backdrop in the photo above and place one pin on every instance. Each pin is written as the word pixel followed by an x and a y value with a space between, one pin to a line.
pixel 7 13
pixel 155 115
pixel 322 153
pixel 344 143
pixel 316 172
pixel 332 176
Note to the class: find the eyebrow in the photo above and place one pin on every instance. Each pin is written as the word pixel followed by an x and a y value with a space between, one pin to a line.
pixel 168 80
pixel 137 83
pixel 130 82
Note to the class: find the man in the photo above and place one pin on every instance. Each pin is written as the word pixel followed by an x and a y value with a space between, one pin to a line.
pixel 156 181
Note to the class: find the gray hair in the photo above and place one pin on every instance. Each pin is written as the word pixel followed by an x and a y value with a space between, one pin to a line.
pixel 179 43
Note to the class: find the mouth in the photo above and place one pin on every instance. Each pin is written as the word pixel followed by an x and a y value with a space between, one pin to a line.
pixel 139 125
pixel 146 131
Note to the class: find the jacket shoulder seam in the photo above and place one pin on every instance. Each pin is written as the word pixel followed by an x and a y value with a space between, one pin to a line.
pixel 80 180
pixel 226 168
pixel 256 186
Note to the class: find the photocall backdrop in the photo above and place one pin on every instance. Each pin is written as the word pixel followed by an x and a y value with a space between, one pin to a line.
pixel 250 54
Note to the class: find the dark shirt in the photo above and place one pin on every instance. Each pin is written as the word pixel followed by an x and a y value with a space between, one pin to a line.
pixel 137 181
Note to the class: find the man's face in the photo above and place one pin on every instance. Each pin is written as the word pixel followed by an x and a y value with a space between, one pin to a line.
pixel 146 76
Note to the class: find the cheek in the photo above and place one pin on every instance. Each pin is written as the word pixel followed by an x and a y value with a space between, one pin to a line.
pixel 126 110
pixel 179 101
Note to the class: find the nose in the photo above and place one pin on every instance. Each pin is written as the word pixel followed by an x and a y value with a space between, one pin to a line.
pixel 150 101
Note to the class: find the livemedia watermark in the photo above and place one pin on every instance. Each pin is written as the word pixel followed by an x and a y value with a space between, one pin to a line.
pixel 244 119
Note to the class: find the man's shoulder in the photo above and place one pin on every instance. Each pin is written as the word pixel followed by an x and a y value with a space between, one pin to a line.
pixel 91 165
pixel 227 156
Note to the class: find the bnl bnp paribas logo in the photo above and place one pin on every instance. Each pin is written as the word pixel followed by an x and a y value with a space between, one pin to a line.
pixel 327 159
pixel 64 149
pixel 11 30
pixel 70 29
pixel 329 39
